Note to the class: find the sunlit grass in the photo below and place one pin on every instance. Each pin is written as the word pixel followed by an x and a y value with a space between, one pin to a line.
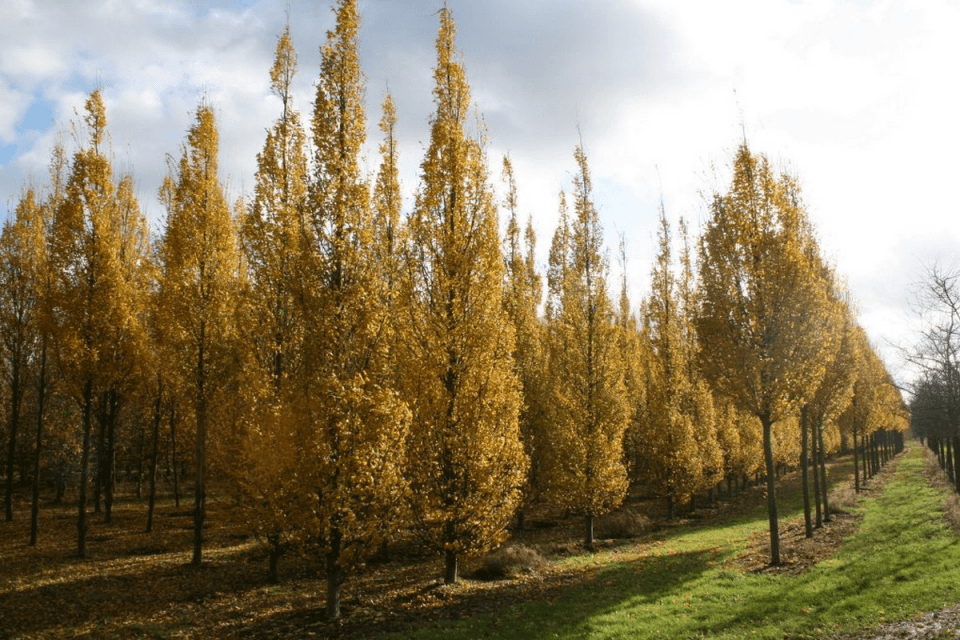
pixel 904 560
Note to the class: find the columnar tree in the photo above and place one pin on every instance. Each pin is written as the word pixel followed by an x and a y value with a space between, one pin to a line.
pixel 44 284
pixel 675 406
pixel 355 423
pixel 277 243
pixel 127 352
pixel 864 413
pixel 522 295
pixel 387 200
pixel 589 409
pixel 702 401
pixel 830 399
pixel 93 301
pixel 459 376
pixel 197 296
pixel 22 265
pixel 759 304
pixel 634 353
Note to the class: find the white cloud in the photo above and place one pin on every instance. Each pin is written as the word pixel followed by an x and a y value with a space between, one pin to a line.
pixel 855 95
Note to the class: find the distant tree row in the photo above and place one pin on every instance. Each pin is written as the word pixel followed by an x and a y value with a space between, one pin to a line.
pixel 347 370
pixel 935 406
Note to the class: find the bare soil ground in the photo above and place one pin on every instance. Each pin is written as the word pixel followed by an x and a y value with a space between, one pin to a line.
pixel 139 585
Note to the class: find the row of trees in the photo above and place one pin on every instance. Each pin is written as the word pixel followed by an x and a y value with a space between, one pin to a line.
pixel 361 372
pixel 935 407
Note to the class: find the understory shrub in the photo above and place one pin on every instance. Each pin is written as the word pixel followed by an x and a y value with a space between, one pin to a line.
pixel 508 562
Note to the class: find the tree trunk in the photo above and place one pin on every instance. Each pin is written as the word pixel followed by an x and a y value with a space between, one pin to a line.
pixel 334 584
pixel 16 395
pixel 804 473
pixel 856 466
pixel 451 567
pixel 200 489
pixel 956 460
pixel 12 448
pixel 335 576
pixel 142 444
pixel 276 550
pixel 823 473
pixel 154 457
pixel 814 452
pixel 771 493
pixel 101 445
pixel 41 397
pixel 173 446
pixel 84 470
pixel 588 538
pixel 109 475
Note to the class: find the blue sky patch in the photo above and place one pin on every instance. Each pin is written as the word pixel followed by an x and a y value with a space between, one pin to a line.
pixel 39 117
pixel 7 151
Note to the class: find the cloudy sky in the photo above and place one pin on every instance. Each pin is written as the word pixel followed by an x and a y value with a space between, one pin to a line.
pixel 857 97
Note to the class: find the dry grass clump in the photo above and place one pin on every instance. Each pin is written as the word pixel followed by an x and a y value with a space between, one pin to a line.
pixel 625 523
pixel 508 562
pixel 843 497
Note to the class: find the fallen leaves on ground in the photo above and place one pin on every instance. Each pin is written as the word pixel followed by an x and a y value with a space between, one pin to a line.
pixel 139 585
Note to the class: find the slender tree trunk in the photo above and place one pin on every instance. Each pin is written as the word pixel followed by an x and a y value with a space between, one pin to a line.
pixel 41 398
pixel 101 445
pixel 335 577
pixel 804 473
pixel 856 466
pixel 173 445
pixel 956 460
pixel 142 444
pixel 589 538
pixel 947 458
pixel 200 489
pixel 84 470
pixel 154 456
pixel 113 410
pixel 823 473
pixel 771 493
pixel 451 567
pixel 814 453
pixel 16 395
pixel 861 475
pixel 276 550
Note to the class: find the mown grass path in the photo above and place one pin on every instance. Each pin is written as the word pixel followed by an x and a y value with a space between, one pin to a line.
pixel 904 560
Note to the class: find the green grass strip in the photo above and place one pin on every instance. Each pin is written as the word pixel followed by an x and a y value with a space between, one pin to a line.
pixel 905 560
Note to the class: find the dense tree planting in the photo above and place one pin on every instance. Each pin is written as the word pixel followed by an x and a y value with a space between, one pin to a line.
pixel 351 372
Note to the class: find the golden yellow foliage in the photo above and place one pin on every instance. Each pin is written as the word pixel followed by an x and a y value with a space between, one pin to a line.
pixel 97 233
pixel 523 290
pixel 22 265
pixel 351 424
pixel 676 426
pixel 583 463
pixel 761 306
pixel 198 288
pixel 458 341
